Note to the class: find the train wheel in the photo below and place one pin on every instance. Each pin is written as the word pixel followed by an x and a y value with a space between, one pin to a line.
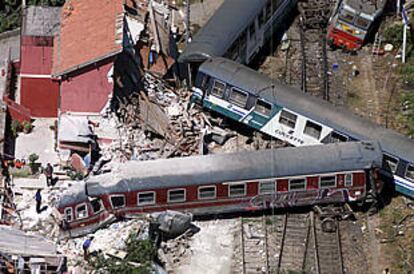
pixel 328 225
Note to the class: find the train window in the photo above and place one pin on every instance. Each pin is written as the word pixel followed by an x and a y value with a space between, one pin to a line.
pixel 327 181
pixel 117 201
pixel 288 119
pixel 346 16
pixel 206 192
pixel 146 198
pixel 96 205
pixel 237 190
pixel 176 195
pixel 362 22
pixel 218 89
pixel 252 30
pixel 68 214
pixel 297 184
pixel 267 187
pixel 238 97
pixel 390 162
pixel 313 130
pixel 409 173
pixel 81 211
pixel 335 137
pixel 348 179
pixel 263 107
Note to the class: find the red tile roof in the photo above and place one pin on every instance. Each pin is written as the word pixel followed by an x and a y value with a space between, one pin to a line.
pixel 90 31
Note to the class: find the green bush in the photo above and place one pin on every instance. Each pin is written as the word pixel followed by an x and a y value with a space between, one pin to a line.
pixel 16 127
pixel 27 127
pixel 141 254
pixel 393 34
pixel 33 158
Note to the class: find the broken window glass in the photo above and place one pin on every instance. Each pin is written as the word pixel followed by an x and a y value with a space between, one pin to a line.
pixel 118 201
pixel 81 211
pixel 390 163
pixel 96 205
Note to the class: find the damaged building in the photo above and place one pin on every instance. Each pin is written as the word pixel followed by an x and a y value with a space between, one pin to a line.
pixel 21 252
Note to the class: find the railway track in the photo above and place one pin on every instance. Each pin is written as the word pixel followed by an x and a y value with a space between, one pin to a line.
pixel 307 63
pixel 288 243
pixel 327 248
pixel 294 243
pixel 314 16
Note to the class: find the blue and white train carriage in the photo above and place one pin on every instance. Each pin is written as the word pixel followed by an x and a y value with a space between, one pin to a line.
pixel 288 114
pixel 238 30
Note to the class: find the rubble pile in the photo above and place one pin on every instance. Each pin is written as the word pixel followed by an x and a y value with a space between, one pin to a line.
pixel 108 241
pixel 155 124
pixel 177 251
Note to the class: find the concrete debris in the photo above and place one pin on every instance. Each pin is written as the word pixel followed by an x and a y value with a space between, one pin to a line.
pixel 109 241
pixel 172 223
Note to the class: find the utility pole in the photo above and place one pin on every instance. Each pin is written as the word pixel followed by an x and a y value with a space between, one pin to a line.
pixel 406 22
pixel 188 33
pixel 188 37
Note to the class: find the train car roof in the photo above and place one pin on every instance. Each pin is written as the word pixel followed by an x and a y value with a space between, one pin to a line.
pixel 340 119
pixel 75 194
pixel 242 166
pixel 218 34
pixel 367 6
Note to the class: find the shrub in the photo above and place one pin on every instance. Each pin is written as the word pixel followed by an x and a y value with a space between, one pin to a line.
pixel 27 127
pixel 33 158
pixel 16 127
pixel 140 252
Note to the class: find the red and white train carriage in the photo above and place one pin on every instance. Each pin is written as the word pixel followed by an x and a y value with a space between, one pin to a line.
pixel 226 183
pixel 352 22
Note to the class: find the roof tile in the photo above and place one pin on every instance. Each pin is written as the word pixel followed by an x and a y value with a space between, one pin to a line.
pixel 89 32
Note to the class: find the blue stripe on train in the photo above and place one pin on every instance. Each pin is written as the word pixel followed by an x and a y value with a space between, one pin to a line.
pixel 404 187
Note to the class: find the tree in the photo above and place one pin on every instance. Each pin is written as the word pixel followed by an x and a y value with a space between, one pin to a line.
pixel 11 11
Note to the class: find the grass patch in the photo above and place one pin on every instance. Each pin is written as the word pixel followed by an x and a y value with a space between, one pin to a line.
pixel 21 173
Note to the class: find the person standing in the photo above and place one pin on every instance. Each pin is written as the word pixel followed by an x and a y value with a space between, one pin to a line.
pixel 49 174
pixel 86 244
pixel 38 198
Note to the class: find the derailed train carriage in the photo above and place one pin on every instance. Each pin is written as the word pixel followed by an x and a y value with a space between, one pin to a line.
pixel 353 22
pixel 238 30
pixel 227 183
pixel 288 114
